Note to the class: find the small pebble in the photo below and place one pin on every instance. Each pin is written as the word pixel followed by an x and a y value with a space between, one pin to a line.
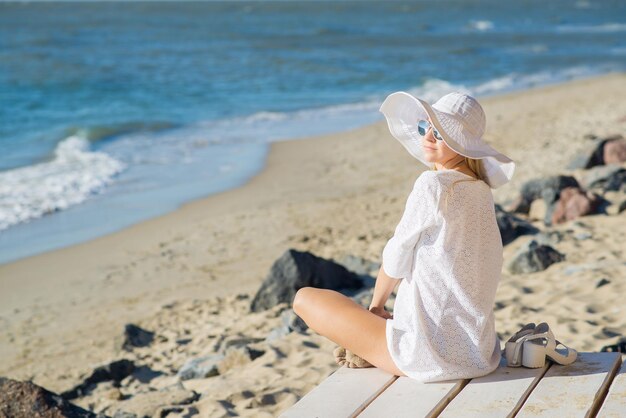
pixel 581 236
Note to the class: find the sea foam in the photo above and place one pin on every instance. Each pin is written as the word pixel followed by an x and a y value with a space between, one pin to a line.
pixel 480 25
pixel 603 28
pixel 69 178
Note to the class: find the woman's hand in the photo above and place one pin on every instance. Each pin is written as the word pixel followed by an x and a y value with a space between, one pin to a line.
pixel 380 311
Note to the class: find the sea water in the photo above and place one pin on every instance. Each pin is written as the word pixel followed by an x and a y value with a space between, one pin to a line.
pixel 113 113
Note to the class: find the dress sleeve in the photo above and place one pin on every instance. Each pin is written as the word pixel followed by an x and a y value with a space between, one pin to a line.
pixel 420 212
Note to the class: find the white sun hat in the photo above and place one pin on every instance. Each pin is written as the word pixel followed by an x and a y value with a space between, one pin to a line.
pixel 460 120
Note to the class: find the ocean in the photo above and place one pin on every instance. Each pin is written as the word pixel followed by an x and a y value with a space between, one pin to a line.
pixel 115 112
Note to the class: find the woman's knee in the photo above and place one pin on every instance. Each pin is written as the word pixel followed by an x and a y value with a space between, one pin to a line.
pixel 300 300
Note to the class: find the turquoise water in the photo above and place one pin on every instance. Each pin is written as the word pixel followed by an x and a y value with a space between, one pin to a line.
pixel 112 113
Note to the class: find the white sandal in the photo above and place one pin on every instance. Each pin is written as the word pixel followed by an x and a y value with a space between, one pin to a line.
pixel 513 347
pixel 541 344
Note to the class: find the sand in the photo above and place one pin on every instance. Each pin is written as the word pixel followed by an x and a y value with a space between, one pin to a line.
pixel 191 274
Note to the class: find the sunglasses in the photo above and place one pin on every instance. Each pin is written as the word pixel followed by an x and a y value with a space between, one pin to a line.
pixel 423 126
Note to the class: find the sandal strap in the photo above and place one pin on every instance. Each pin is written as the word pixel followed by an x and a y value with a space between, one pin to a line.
pixel 525 330
pixel 522 335
pixel 520 342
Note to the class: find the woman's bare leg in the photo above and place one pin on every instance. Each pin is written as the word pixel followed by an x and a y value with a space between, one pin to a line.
pixel 340 319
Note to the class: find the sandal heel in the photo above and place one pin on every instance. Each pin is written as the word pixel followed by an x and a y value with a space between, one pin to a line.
pixel 533 355
pixel 509 353
pixel 513 347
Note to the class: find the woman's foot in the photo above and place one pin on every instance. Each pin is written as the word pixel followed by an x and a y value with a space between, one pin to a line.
pixel 351 360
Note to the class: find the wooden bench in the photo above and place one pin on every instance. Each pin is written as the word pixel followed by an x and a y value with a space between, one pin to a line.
pixel 594 385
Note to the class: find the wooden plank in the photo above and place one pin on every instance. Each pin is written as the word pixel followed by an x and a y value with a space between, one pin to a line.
pixel 342 394
pixel 498 394
pixel 574 390
pixel 615 403
pixel 410 398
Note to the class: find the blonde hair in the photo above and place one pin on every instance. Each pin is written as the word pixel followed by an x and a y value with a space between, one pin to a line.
pixel 476 166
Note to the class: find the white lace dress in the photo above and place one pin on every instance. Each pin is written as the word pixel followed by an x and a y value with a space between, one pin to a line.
pixel 448 254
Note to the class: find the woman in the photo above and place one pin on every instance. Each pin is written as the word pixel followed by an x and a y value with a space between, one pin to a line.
pixel 445 254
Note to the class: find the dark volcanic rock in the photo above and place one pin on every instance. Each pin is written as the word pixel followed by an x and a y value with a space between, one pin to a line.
pixel 115 371
pixel 135 336
pixel 534 257
pixel 294 270
pixel 606 177
pixel 591 156
pixel 27 400
pixel 511 226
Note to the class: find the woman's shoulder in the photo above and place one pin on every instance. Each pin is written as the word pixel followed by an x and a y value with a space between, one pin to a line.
pixel 428 180
pixel 436 180
pixel 435 186
pixel 441 180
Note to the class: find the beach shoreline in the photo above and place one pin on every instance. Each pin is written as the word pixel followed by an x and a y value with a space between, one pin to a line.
pixel 272 146
pixel 333 195
pixel 17 254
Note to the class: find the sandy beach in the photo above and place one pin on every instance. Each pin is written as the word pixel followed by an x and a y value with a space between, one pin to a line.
pixel 190 275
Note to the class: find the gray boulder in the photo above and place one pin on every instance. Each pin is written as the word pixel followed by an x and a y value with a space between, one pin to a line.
pixel 290 323
pixel 201 367
pixel 359 265
pixel 294 270
pixel 233 353
pixel 293 322
pixel 547 189
pixel 277 333
pixel 534 257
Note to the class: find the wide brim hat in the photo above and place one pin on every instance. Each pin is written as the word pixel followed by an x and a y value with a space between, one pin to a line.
pixel 460 120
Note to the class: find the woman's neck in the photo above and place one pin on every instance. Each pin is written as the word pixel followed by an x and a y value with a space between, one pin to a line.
pixel 456 164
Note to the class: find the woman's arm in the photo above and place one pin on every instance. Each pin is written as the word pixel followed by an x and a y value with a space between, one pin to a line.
pixel 421 211
pixel 382 290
